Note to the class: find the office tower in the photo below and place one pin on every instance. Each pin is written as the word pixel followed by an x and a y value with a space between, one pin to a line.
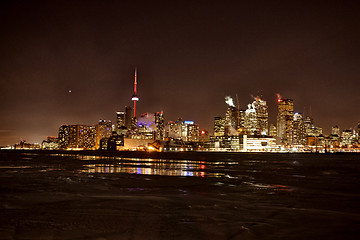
pixel 358 132
pixel 231 121
pixel 250 120
pixel 241 119
pixel 262 115
pixel 120 121
pixel 285 119
pixel 309 125
pixel 134 97
pixel 170 130
pixel 192 132
pixel 63 136
pixel 103 130
pixel 176 130
pixel 128 117
pixel 335 130
pixel 219 126
pixel 160 126
pixel 77 136
pixel 87 137
pixel 272 130
pixel 346 137
pixel 299 133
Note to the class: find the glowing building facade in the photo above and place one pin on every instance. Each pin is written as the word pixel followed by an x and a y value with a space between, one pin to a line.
pixel 192 132
pixel 231 121
pixel 120 121
pixel 285 120
pixel 77 137
pixel 262 116
pixel 272 130
pixel 299 133
pixel 103 130
pixel 250 121
pixel 335 130
pixel 160 126
pixel 219 126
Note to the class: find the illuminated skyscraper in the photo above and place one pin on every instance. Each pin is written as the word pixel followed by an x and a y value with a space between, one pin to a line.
pixel 262 116
pixel 346 137
pixel 192 132
pixel 87 137
pixel 256 117
pixel 241 118
pixel 103 130
pixel 299 133
pixel 335 131
pixel 250 121
pixel 77 136
pixel 120 121
pixel 285 120
pixel 176 130
pixel 231 121
pixel 160 126
pixel 272 130
pixel 309 125
pixel 219 126
pixel 64 136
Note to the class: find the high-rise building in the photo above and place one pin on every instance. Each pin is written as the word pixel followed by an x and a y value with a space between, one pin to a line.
pixel 103 130
pixel 160 126
pixel 285 120
pixel 241 118
pixel 250 120
pixel 128 117
pixel 335 130
pixel 309 125
pixel 77 136
pixel 299 134
pixel 346 137
pixel 192 132
pixel 219 126
pixel 87 137
pixel 68 136
pixel 176 130
pixel 231 121
pixel 120 121
pixel 262 116
pixel 64 132
pixel 256 117
pixel 272 130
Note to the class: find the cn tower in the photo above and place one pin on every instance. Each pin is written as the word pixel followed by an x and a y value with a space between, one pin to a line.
pixel 135 97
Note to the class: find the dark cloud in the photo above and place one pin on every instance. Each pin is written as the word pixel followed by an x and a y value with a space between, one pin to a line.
pixel 189 56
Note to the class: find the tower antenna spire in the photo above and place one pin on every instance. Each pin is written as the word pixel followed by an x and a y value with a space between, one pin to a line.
pixel 135 97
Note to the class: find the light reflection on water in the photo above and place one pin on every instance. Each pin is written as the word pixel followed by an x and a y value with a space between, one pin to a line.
pixel 164 167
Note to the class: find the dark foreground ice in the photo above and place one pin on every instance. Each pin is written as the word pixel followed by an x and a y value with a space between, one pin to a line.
pixel 181 196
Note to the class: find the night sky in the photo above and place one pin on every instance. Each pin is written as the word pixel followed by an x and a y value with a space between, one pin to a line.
pixel 189 57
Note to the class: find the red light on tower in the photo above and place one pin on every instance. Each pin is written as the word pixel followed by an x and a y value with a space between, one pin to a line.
pixel 203 132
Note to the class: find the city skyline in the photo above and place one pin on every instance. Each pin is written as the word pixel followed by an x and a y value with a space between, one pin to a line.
pixel 65 63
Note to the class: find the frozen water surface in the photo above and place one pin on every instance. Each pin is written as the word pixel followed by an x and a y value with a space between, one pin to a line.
pixel 179 196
